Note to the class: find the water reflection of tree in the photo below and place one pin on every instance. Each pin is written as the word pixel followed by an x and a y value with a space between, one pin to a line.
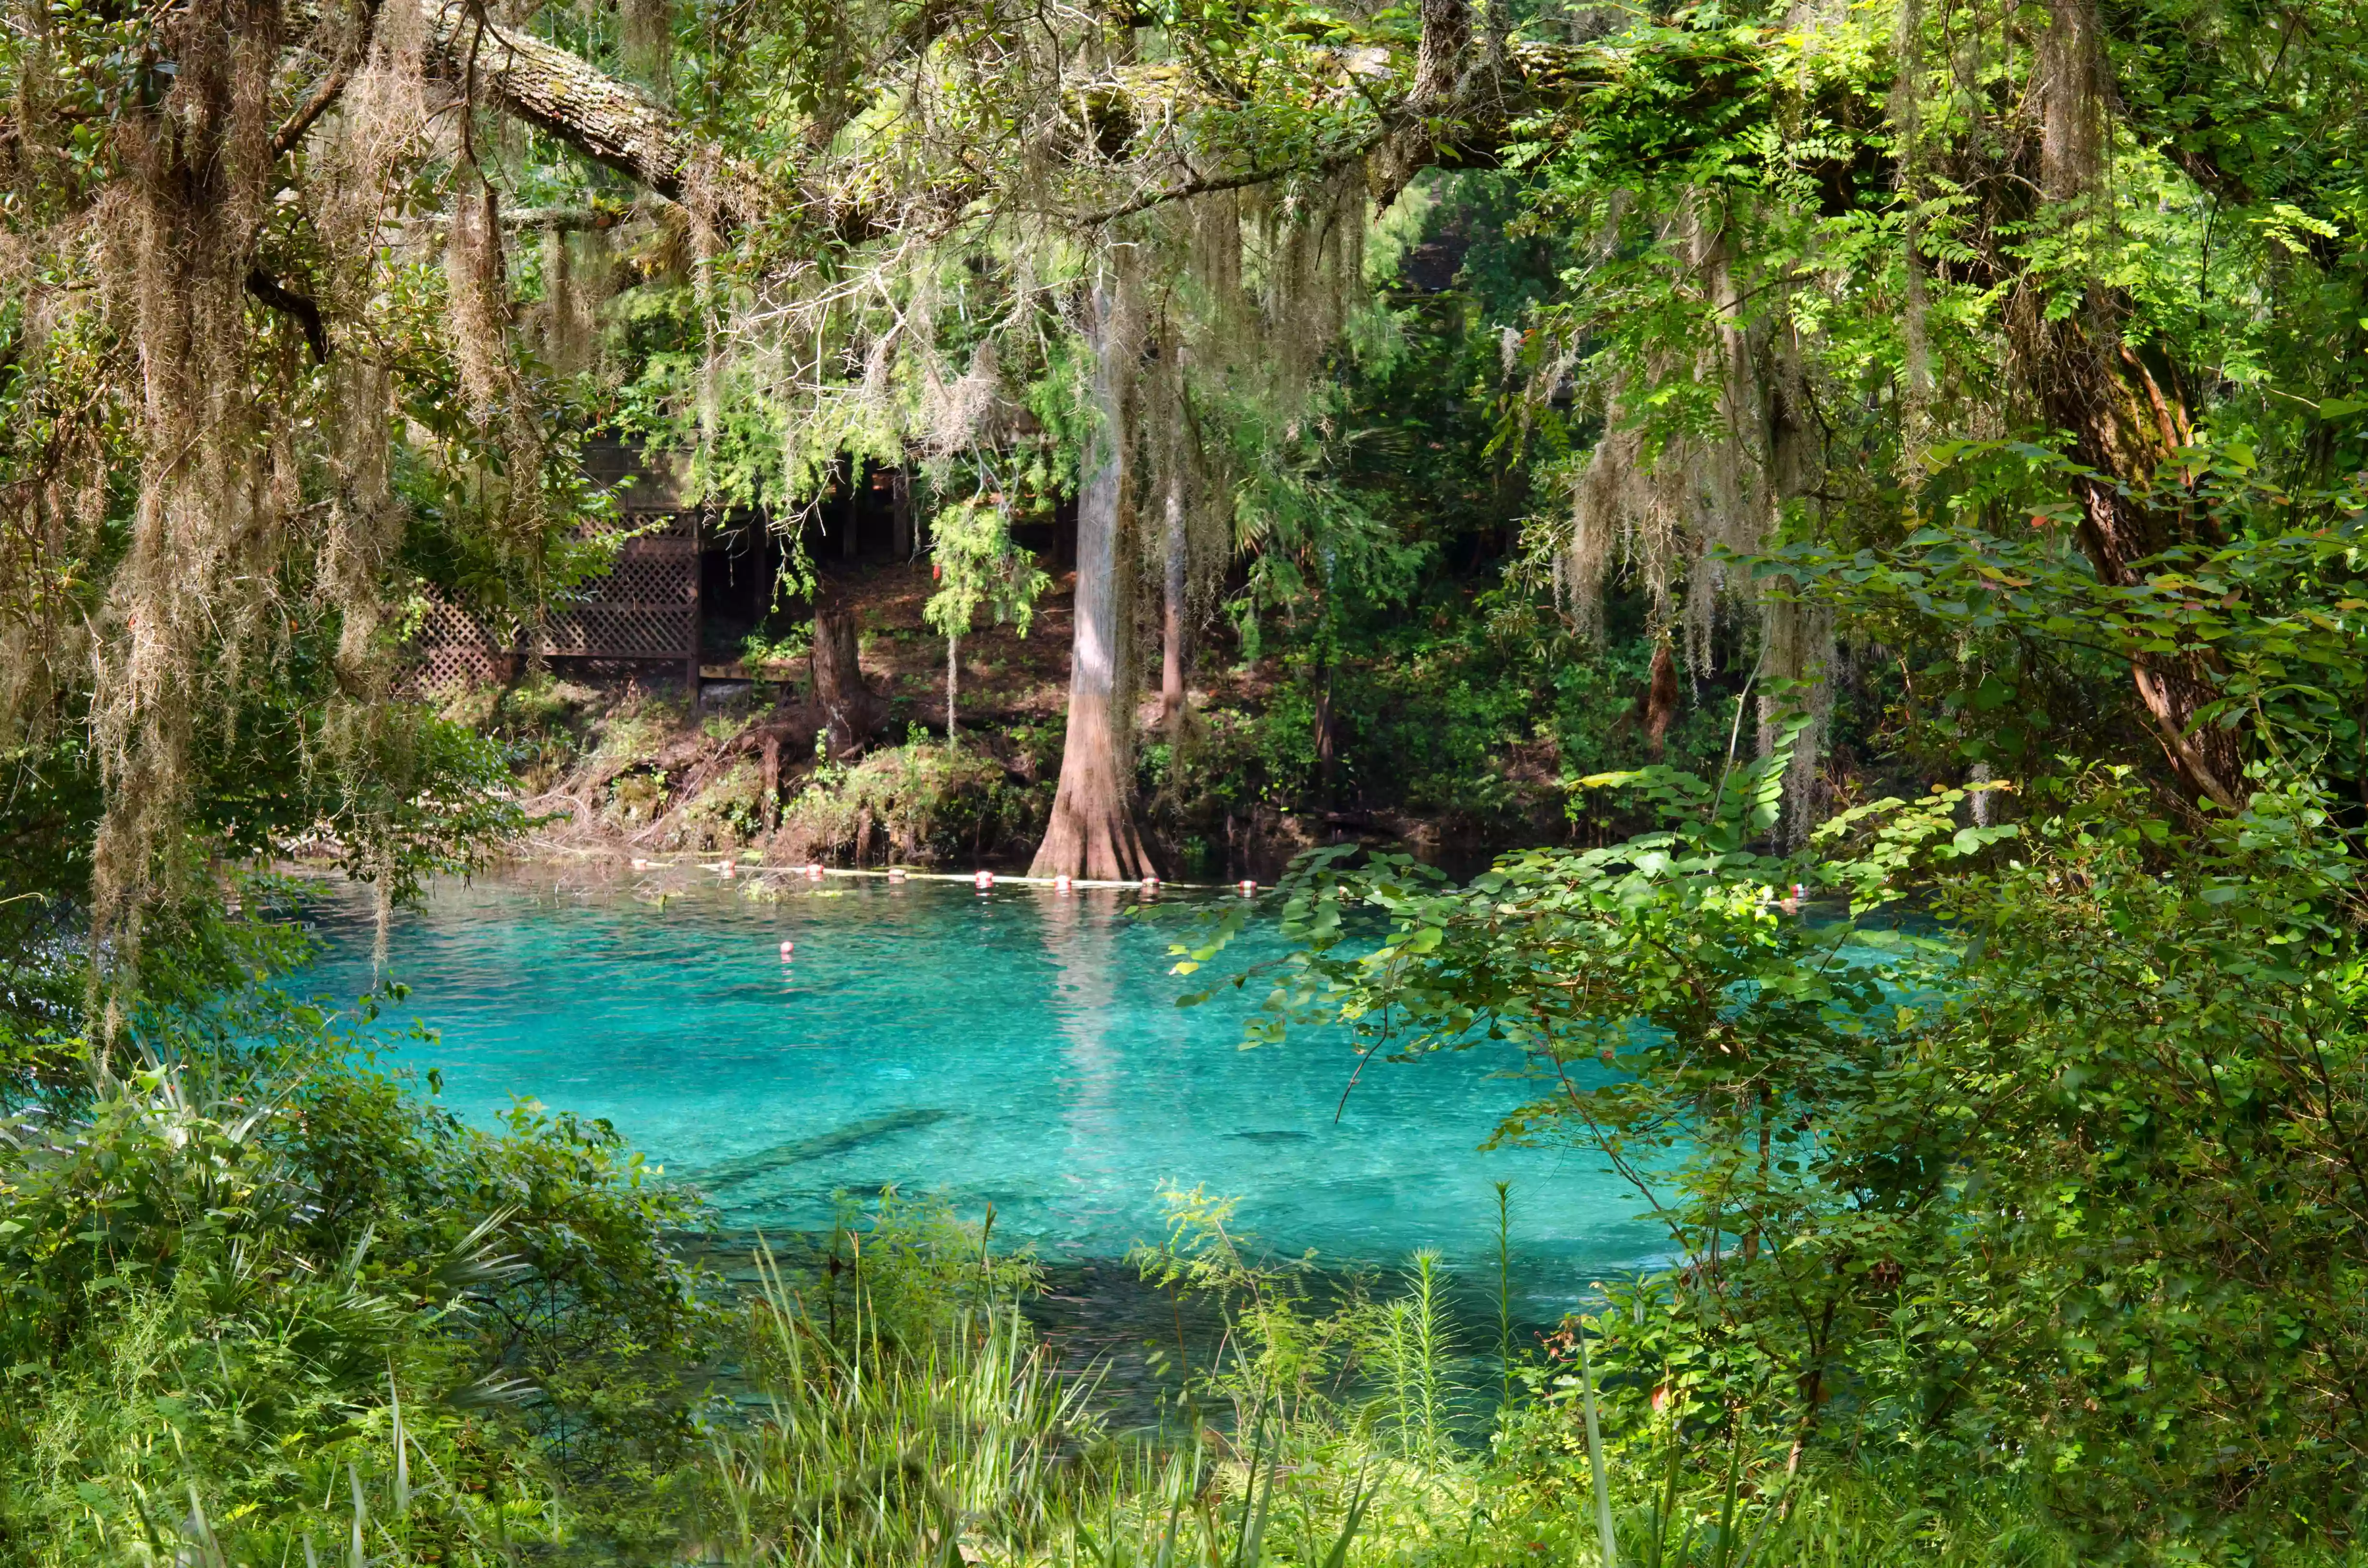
pixel 1080 932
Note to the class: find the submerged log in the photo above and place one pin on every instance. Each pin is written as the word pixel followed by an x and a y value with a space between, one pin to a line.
pixel 834 1141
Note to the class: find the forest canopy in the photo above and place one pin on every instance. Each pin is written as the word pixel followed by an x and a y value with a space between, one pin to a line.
pixel 303 304
pixel 1903 460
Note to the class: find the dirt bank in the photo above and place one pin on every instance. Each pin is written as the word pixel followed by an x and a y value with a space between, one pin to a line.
pixel 634 768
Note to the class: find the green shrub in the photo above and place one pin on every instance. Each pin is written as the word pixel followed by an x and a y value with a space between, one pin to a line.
pixel 260 1299
pixel 921 802
pixel 2062 1209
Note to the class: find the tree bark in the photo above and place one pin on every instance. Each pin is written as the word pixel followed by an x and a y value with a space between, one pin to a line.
pixel 1173 583
pixel 611 122
pixel 2125 421
pixel 1327 757
pixel 1093 832
pixel 849 708
pixel 1423 122
pixel 1660 701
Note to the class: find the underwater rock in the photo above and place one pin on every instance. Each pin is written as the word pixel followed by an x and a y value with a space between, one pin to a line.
pixel 1272 1137
pixel 841 1138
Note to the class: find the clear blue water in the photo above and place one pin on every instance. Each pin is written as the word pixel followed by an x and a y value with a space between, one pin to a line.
pixel 1020 1048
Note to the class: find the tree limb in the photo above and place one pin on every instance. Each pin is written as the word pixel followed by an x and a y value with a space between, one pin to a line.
pixel 292 130
pixel 299 308
pixel 612 122
pixel 1458 110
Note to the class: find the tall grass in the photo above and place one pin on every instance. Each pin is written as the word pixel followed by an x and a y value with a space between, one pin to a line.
pixel 1323 1433
pixel 904 1413
pixel 885 1445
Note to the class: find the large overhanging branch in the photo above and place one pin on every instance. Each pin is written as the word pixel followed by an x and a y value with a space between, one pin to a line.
pixel 1463 124
pixel 613 123
pixel 292 131
pixel 1458 110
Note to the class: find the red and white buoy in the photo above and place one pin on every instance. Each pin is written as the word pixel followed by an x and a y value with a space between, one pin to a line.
pixel 814 870
pixel 1249 888
pixel 982 881
pixel 1150 883
pixel 640 864
pixel 896 873
pixel 789 949
pixel 726 871
pixel 1065 883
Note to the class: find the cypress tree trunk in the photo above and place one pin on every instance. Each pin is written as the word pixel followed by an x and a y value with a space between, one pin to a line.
pixel 850 710
pixel 1093 832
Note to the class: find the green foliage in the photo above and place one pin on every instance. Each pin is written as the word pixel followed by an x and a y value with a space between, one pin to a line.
pixel 952 1438
pixel 2064 1197
pixel 2013 1185
pixel 779 655
pixel 909 1407
pixel 2272 609
pixel 392 797
pixel 255 1293
pixel 979 568
pixel 1410 1348
pixel 919 802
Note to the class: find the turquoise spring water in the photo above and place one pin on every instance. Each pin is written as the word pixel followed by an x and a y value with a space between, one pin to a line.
pixel 1020 1048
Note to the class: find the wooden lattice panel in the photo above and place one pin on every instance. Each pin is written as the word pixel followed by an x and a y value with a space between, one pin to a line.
pixel 643 611
pixel 452 648
pixel 646 606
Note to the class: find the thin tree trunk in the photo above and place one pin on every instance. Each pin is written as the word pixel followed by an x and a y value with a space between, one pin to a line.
pixel 1660 701
pixel 1326 761
pixel 768 785
pixel 2124 422
pixel 900 516
pixel 1093 831
pixel 953 649
pixel 1171 620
